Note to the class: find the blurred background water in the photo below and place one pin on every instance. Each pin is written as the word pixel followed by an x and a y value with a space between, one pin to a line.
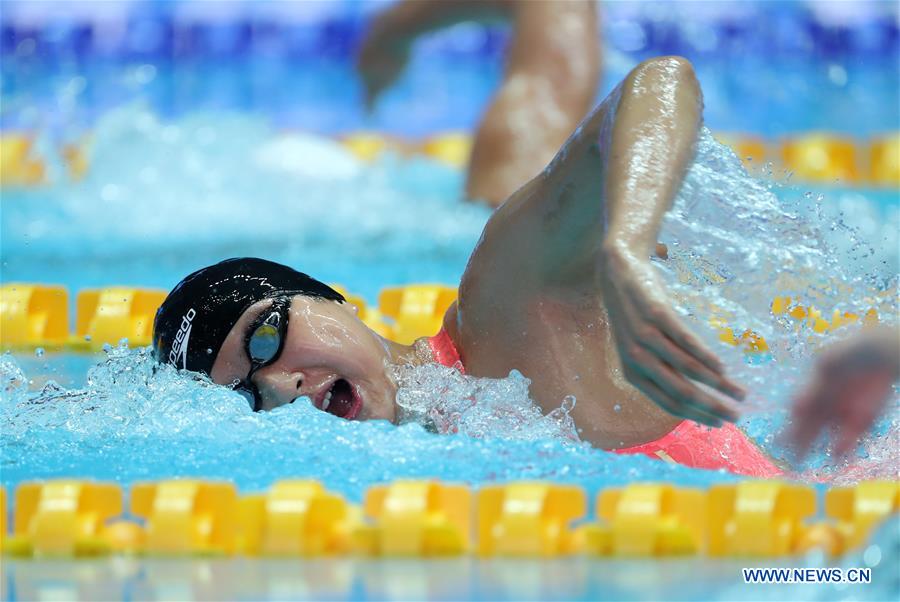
pixel 767 67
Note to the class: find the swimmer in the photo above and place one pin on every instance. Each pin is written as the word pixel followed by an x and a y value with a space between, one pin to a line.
pixel 550 78
pixel 849 390
pixel 560 287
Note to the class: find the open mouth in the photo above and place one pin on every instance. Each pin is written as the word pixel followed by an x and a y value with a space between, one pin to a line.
pixel 341 400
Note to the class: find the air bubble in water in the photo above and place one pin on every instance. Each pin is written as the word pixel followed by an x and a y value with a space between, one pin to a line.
pixel 447 401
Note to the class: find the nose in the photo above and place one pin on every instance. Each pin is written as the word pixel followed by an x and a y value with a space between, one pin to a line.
pixel 279 387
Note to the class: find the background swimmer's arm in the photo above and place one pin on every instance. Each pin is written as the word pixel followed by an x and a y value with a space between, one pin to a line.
pixel 552 69
pixel 385 49
pixel 549 84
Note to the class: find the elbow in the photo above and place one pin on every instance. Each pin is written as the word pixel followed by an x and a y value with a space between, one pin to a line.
pixel 668 69
pixel 672 65
pixel 667 77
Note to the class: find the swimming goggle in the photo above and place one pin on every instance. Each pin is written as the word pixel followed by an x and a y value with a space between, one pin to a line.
pixel 263 344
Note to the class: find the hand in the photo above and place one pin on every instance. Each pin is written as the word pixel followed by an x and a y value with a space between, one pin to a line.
pixel 660 356
pixel 849 390
pixel 382 58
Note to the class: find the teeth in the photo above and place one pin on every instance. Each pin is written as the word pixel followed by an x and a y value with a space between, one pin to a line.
pixel 327 401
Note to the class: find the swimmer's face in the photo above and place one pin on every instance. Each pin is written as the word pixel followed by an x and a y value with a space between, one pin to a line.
pixel 329 355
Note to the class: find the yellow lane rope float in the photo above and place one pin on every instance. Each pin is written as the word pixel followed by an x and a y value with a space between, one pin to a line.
pixel 37 316
pixel 816 157
pixel 300 518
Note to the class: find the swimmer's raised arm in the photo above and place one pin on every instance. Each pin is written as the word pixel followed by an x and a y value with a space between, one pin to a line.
pixel 385 49
pixel 587 225
pixel 551 74
pixel 650 145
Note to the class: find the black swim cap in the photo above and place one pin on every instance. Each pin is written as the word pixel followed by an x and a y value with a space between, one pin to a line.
pixel 198 314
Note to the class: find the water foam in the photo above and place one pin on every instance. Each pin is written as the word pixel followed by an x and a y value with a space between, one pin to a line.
pixel 134 420
pixel 447 401
pixel 736 243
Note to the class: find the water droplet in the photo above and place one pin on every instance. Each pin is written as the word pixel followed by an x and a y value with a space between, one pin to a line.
pixel 617 408
pixel 87 337
pixel 208 351
pixel 39 352
pixel 872 555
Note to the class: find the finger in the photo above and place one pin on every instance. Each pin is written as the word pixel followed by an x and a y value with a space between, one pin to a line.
pixel 860 407
pixel 848 439
pixel 681 389
pixel 639 365
pixel 672 406
pixel 665 401
pixel 686 394
pixel 689 395
pixel 689 366
pixel 676 386
pixel 806 424
pixel 655 310
pixel 668 322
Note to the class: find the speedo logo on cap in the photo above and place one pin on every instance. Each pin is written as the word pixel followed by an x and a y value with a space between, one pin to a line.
pixel 180 346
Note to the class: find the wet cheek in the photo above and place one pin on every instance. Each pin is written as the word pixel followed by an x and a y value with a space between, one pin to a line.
pixel 348 357
pixel 386 408
pixel 385 412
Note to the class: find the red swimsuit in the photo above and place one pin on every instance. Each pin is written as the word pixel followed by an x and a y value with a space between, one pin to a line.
pixel 688 443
